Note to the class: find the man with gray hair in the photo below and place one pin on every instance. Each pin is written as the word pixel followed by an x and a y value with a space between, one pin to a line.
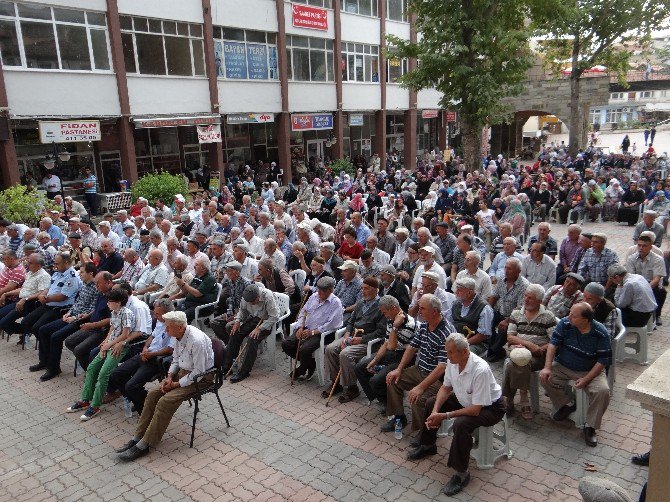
pixel 596 260
pixel 265 230
pixel 202 289
pixel 132 267
pixel 471 315
pixel 56 234
pixel 111 260
pixel 153 276
pixel 192 356
pixel 604 311
pixel 271 252
pixel 633 296
pixel 538 267
pixel 472 398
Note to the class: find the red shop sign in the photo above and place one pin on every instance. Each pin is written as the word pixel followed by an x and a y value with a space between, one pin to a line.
pixel 312 18
pixel 450 116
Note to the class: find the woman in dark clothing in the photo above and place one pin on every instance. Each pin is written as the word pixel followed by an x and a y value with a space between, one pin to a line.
pixel 629 211
pixel 291 194
pixel 328 204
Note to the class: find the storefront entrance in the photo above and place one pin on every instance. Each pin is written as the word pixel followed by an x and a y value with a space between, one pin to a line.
pixel 316 148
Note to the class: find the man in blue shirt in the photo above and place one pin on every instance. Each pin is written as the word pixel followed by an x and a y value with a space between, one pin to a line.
pixel 362 230
pixel 579 351
pixel 90 190
pixel 56 234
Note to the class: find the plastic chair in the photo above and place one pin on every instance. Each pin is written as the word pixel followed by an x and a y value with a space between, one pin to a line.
pixel 299 276
pixel 618 339
pixel 200 317
pixel 318 353
pixel 581 218
pixel 639 346
pixel 270 342
pixel 212 388
pixel 372 343
pixel 553 213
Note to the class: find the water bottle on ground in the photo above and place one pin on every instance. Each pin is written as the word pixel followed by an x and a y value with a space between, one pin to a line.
pixel 127 408
pixel 398 429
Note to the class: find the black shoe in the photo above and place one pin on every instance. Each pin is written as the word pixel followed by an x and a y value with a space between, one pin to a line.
pixel 237 377
pixel 590 436
pixel 658 322
pixel 299 372
pixel 326 393
pixel 389 426
pixel 133 453
pixel 126 446
pixel 307 376
pixel 422 451
pixel 456 485
pixel 37 367
pixel 50 374
pixel 415 442
pixel 492 358
pixel 564 412
pixel 642 459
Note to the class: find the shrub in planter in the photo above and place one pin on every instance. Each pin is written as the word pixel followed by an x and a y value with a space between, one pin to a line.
pixel 163 186
pixel 18 204
pixel 343 165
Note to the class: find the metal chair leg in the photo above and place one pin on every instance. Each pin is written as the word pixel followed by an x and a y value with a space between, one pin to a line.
pixel 221 406
pixel 195 417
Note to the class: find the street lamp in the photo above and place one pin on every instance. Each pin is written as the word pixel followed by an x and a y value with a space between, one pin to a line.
pixel 53 158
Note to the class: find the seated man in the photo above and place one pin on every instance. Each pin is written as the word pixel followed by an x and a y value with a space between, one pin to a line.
pixel 153 277
pixel 471 396
pixel 579 351
pixel 543 237
pixel 372 370
pixel 429 281
pixel 129 378
pixel 172 291
pixel 192 356
pixel 560 298
pixel 472 270
pixel 527 338
pixel 253 323
pixel 604 311
pixel 202 289
pixel 321 313
pixel 633 296
pixel 472 316
pixel 132 266
pixel 538 268
pixel 421 379
pixel 343 354
pixel 393 286
pixel 652 267
pixel 348 289
pixel 497 269
pixel 230 299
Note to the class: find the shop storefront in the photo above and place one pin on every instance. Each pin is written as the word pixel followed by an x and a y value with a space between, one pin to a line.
pixel 359 134
pixel 395 132
pixel 250 137
pixel 427 130
pixel 312 139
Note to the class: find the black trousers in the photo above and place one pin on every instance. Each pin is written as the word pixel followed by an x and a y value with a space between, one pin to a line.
pixel 307 348
pixel 461 444
pixel 44 314
pixel 660 295
pixel 51 337
pixel 634 319
pixel 83 341
pixel 130 376
pixel 498 337
pixel 235 343
pixel 374 384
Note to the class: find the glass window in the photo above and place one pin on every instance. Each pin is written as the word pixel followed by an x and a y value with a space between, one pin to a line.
pixel 100 54
pixel 178 55
pixel 155 26
pixel 7 8
pixel 182 29
pixel 396 10
pixel 140 24
pixel 255 36
pixel 245 54
pixel 73 46
pixel 9 44
pixel 198 57
pixel 96 19
pixel 169 27
pixel 195 30
pixel 128 52
pixel 317 61
pixel 362 63
pixel 39 43
pixel 150 56
pixel 69 16
pixel 126 22
pixel 233 34
pixel 315 64
pixel 34 11
pixel 301 64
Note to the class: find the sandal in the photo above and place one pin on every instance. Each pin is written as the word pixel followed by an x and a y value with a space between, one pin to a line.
pixel 527 412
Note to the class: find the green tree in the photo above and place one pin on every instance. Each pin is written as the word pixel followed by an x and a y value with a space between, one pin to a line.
pixel 588 33
pixel 18 204
pixel 475 52
pixel 162 186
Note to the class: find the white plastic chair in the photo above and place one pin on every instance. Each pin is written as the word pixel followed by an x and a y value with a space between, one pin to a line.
pixel 489 444
pixel 200 318
pixel 417 211
pixel 299 276
pixel 270 342
pixel 319 353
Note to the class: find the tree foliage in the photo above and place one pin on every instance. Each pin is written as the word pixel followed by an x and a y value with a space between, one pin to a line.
pixel 163 186
pixel 20 204
pixel 475 52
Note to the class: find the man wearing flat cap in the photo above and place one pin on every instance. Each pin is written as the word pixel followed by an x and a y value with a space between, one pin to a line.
pixel 252 324
pixel 560 298
pixel 249 268
pixel 393 286
pixel 332 261
pixel 348 289
pixel 322 313
pixel 471 315
pixel 231 298
pixel 604 311
pixel 649 224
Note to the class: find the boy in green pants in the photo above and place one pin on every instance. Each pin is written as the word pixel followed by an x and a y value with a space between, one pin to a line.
pixel 112 351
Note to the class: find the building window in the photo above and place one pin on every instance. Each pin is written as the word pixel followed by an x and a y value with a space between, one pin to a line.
pixel 245 54
pixel 362 7
pixel 395 68
pixel 360 62
pixel 594 116
pixel 645 95
pixel 618 96
pixel 326 4
pixel 155 47
pixel 396 10
pixel 51 38
pixel 309 59
pixel 613 115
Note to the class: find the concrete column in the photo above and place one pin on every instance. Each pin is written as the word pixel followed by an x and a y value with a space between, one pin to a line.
pixel 284 119
pixel 380 115
pixel 215 150
pixel 442 131
pixel 126 139
pixel 651 390
pixel 410 115
pixel 338 124
pixel 9 167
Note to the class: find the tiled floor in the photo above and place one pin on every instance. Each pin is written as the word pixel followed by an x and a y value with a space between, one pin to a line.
pixel 284 444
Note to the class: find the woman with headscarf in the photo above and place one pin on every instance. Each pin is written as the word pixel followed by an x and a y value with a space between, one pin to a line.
pixel 347 186
pixel 661 204
pixel 542 201
pixel 291 194
pixel 357 204
pixel 516 217
pixel 327 207
pixel 304 191
pixel 528 209
pixel 629 211
pixel 575 201
pixel 443 203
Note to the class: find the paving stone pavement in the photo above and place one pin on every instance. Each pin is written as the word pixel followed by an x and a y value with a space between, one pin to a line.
pixel 284 444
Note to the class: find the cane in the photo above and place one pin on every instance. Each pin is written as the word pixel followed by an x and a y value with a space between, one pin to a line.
pixel 297 350
pixel 241 353
pixel 337 378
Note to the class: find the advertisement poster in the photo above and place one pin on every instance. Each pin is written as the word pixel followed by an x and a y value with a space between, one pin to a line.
pixel 257 61
pixel 311 122
pixel 209 133
pixel 312 18
pixel 69 131
pixel 235 59
pixel 218 58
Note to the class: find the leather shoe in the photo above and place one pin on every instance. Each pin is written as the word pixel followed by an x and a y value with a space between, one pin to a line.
pixel 389 426
pixel 37 367
pixel 642 459
pixel 133 453
pixel 564 412
pixel 126 446
pixel 237 377
pixel 456 484
pixel 492 358
pixel 350 394
pixel 422 451
pixel 50 374
pixel 415 442
pixel 590 436
pixel 326 393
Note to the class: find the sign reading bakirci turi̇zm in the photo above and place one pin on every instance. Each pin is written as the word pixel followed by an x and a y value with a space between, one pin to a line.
pixel 69 131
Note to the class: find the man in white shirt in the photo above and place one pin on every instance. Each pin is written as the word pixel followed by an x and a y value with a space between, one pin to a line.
pixel 192 355
pixel 153 276
pixel 379 256
pixel 471 397
pixel 106 233
pixel 255 244
pixel 538 268
pixel 427 264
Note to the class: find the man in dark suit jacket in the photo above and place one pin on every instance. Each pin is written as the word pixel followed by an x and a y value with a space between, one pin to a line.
pixel 333 261
pixel 391 285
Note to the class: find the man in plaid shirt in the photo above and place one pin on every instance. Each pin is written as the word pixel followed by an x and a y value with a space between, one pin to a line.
pixel 597 260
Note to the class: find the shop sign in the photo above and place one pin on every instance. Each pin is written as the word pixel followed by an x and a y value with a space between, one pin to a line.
pixel 428 114
pixel 69 131
pixel 176 121
pixel 450 116
pixel 311 121
pixel 250 118
pixel 312 18
pixel 235 55
pixel 209 133
pixel 356 119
